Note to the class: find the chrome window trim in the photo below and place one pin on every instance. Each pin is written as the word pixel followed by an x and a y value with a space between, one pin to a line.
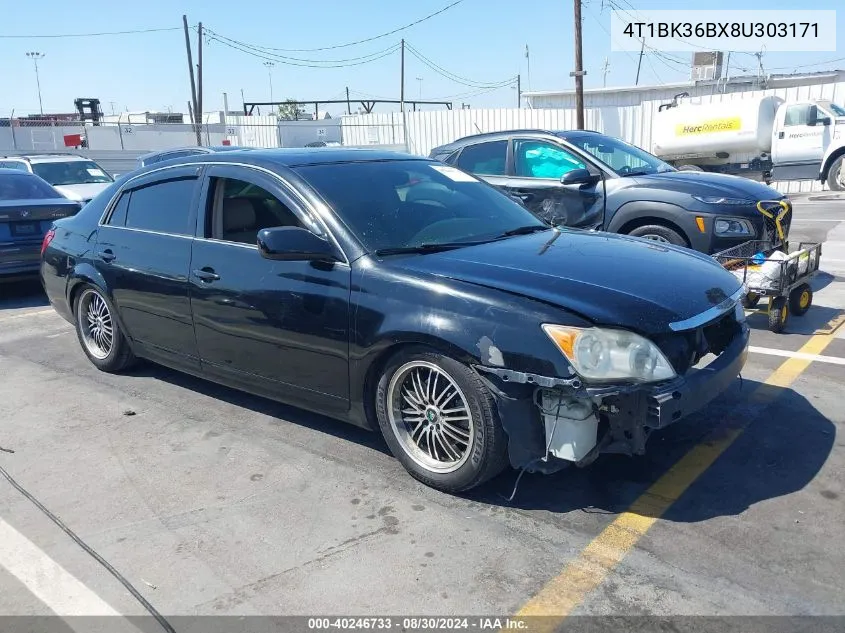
pixel 710 314
pixel 291 191
pixel 150 231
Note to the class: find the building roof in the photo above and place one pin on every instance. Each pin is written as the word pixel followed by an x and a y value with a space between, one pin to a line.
pixel 771 82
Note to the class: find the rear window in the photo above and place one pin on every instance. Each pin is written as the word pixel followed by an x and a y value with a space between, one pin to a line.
pixel 487 159
pixel 25 187
pixel 71 172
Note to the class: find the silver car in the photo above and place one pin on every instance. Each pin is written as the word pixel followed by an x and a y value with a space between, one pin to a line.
pixel 75 177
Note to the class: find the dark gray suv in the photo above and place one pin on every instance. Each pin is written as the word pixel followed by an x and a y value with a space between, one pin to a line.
pixel 588 180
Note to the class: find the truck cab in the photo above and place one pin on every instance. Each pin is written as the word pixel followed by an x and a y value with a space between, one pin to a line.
pixel 802 135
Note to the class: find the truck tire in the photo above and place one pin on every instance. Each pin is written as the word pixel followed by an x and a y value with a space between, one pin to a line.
pixel 834 175
pixel 659 233
pixel 690 168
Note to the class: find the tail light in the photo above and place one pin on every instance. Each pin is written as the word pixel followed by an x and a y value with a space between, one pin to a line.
pixel 48 237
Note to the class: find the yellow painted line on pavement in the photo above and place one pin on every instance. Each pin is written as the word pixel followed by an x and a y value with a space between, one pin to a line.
pixel 563 593
pixel 832 325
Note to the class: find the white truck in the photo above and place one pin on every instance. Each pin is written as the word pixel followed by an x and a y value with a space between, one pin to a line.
pixel 765 137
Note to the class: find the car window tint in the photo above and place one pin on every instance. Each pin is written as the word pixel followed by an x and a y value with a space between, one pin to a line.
pixel 162 206
pixel 71 172
pixel 487 159
pixel 25 187
pixel 13 164
pixel 539 159
pixel 118 214
pixel 240 209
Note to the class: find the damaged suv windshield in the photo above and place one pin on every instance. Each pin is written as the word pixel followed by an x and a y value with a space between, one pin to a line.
pixel 412 206
pixel 621 157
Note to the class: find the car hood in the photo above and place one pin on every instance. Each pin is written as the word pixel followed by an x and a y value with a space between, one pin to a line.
pixel 610 279
pixel 82 191
pixel 707 184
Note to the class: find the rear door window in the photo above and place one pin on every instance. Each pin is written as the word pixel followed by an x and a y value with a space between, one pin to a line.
pixel 164 206
pixel 486 159
pixel 118 214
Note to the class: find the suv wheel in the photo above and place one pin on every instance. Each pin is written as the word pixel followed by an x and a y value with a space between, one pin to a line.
pixel 659 233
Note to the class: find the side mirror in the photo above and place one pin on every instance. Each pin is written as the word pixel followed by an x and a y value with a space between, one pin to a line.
pixel 813 115
pixel 292 243
pixel 578 177
pixel 825 120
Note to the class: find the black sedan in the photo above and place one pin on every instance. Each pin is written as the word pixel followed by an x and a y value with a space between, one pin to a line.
pixel 28 206
pixel 399 294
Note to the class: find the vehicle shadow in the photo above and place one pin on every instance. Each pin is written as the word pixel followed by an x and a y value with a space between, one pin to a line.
pixel 22 294
pixel 282 412
pixel 781 449
pixel 815 319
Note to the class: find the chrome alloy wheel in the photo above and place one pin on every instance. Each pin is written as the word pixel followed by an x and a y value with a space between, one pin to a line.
pixel 655 238
pixel 430 416
pixel 95 323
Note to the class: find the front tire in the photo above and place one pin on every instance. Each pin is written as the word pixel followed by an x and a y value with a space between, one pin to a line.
pixel 440 421
pixel 659 233
pixel 99 333
pixel 778 314
pixel 835 177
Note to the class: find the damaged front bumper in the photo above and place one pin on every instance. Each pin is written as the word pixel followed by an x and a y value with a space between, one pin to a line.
pixel 554 421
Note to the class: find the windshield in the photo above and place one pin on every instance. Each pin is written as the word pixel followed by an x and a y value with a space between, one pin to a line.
pixel 623 158
pixel 71 172
pixel 25 187
pixel 837 109
pixel 399 204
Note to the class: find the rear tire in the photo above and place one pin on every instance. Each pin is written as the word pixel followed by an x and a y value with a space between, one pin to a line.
pixel 659 233
pixel 99 333
pixel 835 176
pixel 778 314
pixel 451 444
pixel 800 299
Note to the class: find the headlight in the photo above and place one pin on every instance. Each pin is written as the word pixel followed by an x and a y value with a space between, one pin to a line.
pixel 733 227
pixel 605 354
pixel 722 200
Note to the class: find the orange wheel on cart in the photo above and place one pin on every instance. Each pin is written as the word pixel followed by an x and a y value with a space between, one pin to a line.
pixel 778 314
pixel 800 299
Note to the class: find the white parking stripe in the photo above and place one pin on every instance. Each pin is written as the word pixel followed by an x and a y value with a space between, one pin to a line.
pixel 834 360
pixel 23 315
pixel 63 593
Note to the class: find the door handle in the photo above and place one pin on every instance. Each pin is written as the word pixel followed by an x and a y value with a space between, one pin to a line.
pixel 106 255
pixel 206 274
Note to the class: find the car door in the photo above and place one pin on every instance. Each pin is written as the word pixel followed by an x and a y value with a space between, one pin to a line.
pixel 143 253
pixel 538 166
pixel 802 138
pixel 282 323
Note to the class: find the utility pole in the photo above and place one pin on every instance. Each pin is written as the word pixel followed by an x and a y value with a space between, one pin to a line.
pixel 35 56
pixel 519 91
pixel 420 80
pixel 604 70
pixel 640 63
pixel 579 70
pixel 191 73
pixel 199 78
pixel 269 66
pixel 402 95
pixel 760 70
pixel 727 73
pixel 348 105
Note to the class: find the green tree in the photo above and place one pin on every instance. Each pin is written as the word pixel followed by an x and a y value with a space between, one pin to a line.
pixel 289 110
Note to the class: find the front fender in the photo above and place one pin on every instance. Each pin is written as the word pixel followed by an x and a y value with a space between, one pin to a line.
pixel 647 212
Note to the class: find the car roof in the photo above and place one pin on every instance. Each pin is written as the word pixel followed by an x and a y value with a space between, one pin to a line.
pixel 47 158
pixel 490 136
pixel 294 157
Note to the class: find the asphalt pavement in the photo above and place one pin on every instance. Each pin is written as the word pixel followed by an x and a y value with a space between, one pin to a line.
pixel 211 502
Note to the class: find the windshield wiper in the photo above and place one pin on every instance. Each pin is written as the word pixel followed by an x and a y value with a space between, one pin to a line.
pixel 424 248
pixel 525 230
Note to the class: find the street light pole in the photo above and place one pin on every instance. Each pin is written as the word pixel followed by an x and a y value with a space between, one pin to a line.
pixel 269 66
pixel 35 56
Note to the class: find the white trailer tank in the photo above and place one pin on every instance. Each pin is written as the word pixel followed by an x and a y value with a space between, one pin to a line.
pixel 723 128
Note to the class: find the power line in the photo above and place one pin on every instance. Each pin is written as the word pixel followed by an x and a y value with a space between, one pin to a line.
pixel 61 35
pixel 375 56
pixel 470 83
pixel 368 39
pixel 829 61
pixel 284 58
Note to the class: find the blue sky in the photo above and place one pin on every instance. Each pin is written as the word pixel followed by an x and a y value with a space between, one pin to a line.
pixel 481 40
